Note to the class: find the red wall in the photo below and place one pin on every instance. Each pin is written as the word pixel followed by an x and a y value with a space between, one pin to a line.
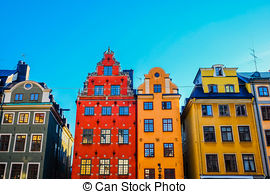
pixel 97 122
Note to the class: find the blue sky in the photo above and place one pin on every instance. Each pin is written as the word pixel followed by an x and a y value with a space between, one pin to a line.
pixel 64 40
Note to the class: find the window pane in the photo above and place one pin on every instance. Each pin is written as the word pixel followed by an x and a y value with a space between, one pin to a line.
pixel 107 70
pixel 4 142
pixel 32 171
pixel 15 171
pixel 36 143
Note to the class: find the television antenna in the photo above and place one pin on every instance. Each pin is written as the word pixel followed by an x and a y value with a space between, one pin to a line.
pixel 254 57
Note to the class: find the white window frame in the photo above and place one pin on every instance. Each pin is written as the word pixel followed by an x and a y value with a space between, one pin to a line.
pixel 24 142
pixel 255 165
pixel 19 118
pixel 233 139
pixel 10 135
pixel 206 162
pixel 222 68
pixel 237 170
pixel 11 168
pixel 251 140
pixel 5 171
pixel 30 146
pixel 215 133
pixel 4 117
pixel 35 116
pixel 28 168
pixel 241 115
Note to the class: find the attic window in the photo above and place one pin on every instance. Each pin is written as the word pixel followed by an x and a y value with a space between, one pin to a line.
pixel 28 86
pixel 107 70
pixel 219 71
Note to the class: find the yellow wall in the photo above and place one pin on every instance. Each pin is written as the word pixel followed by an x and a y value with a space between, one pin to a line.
pixel 67 143
pixel 158 137
pixel 193 122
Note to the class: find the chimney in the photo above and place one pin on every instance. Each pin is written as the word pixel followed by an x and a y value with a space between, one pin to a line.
pixel 23 71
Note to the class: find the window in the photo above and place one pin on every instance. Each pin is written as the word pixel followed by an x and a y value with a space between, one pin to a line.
pixel 148 105
pixel 104 167
pixel 168 150
pixel 166 105
pixel 86 166
pixel 34 97
pixel 23 117
pixel 249 164
pixel 18 97
pixel 207 110
pixel 99 90
pixel 229 88
pixel 149 150
pixel 265 112
pixel 39 117
pixel 16 170
pixel 2 170
pixel 106 111
pixel 263 91
pixel 32 171
pixel 105 136
pixel 267 137
pixel 212 88
pixel 36 143
pixel 4 142
pixel 169 173
pixel 123 167
pixel 148 125
pixel 218 71
pixel 226 133
pixel 8 118
pixel 87 136
pixel 123 136
pixel 149 173
pixel 230 162
pixel 157 88
pixel 89 111
pixel 240 110
pixel 107 70
pixel 115 90
pixel 209 134
pixel 20 143
pixel 123 110
pixel 224 110
pixel 212 163
pixel 244 133
pixel 167 125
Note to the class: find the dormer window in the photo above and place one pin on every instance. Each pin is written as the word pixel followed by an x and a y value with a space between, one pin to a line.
pixel 107 70
pixel 212 88
pixel 229 88
pixel 219 71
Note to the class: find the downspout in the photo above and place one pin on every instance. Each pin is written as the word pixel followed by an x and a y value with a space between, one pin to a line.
pixel 1 111
pixel 260 134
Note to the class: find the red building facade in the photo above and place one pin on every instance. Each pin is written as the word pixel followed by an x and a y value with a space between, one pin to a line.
pixel 105 133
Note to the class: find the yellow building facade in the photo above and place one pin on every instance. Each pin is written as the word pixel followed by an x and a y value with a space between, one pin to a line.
pixel 159 128
pixel 218 121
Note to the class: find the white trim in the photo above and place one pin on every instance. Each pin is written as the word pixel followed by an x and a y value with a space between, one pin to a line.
pixel 249 133
pixel 206 110
pixel 221 134
pixel 217 161
pixel 11 168
pixel 222 69
pixel 214 131
pixel 228 109
pixel 35 116
pixel 255 165
pixel 28 168
pixel 28 88
pixel 24 142
pixel 245 109
pixel 4 117
pixel 5 169
pixel 10 135
pixel 19 118
pixel 30 146
pixel 237 170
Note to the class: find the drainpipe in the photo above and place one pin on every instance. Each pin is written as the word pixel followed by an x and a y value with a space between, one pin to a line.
pixel 1 109
pixel 260 133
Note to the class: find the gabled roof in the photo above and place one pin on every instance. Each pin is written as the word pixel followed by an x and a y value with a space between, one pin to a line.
pixel 4 73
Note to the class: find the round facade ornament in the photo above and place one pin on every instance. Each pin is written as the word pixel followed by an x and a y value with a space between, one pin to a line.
pixel 28 86
pixel 156 74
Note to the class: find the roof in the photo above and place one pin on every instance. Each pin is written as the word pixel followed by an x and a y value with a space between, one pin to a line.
pixel 4 73
pixel 199 94
pixel 247 76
